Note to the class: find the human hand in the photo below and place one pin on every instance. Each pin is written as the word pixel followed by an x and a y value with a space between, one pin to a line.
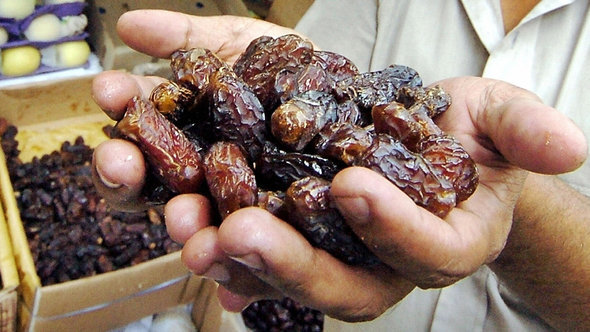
pixel 254 255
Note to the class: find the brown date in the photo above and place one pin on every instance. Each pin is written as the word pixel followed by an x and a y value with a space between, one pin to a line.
pixel 435 99
pixel 410 126
pixel 377 87
pixel 411 173
pixel 449 159
pixel 171 156
pixel 296 122
pixel 343 141
pixel 236 114
pixel 277 169
pixel 310 210
pixel 267 60
pixel 231 181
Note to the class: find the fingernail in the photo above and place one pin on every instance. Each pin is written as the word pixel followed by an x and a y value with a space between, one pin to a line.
pixel 106 181
pixel 218 273
pixel 252 261
pixel 354 209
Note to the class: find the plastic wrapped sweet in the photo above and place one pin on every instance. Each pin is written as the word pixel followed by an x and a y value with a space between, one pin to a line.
pixel 3 36
pixel 55 2
pixel 66 55
pixel 55 29
pixel 46 27
pixel 19 61
pixel 16 9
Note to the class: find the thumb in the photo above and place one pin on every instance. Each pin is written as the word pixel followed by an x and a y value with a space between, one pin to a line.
pixel 526 132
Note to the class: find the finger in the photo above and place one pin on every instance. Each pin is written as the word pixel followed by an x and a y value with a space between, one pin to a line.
pixel 118 172
pixel 112 90
pixel 185 215
pixel 279 255
pixel 159 33
pixel 526 132
pixel 427 250
pixel 203 256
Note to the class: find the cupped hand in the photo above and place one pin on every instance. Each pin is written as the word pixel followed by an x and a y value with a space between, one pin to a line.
pixel 254 255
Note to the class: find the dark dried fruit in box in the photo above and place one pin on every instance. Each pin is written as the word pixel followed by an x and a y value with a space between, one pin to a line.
pixel 282 315
pixel 72 232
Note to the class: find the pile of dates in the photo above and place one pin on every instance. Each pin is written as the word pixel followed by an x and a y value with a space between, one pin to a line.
pixel 273 130
pixel 71 230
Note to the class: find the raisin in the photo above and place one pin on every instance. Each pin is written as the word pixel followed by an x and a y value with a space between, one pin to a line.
pixel 277 169
pixel 236 113
pixel 411 173
pixel 230 179
pixel 296 122
pixel 310 210
pixel 449 159
pixel 171 156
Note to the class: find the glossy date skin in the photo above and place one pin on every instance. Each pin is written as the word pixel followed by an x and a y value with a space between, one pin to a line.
pixel 174 159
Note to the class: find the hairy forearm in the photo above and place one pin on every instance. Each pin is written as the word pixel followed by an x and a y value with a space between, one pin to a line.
pixel 546 261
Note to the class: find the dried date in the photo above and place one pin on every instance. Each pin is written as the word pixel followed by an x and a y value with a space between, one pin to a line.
pixel 377 87
pixel 435 98
pixel 449 160
pixel 410 126
pixel 277 169
pixel 231 181
pixel 296 122
pixel 411 173
pixel 310 209
pixel 236 113
pixel 268 60
pixel 171 156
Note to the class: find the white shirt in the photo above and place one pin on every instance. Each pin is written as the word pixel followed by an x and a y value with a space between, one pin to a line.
pixel 548 53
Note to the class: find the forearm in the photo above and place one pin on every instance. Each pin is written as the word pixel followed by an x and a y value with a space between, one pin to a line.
pixel 546 261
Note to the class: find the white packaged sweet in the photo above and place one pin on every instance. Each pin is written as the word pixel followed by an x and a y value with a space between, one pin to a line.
pixel 50 38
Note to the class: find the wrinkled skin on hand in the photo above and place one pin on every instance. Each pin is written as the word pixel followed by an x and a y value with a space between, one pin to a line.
pixel 255 255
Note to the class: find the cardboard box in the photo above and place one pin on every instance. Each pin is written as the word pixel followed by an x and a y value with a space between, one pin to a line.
pixel 9 274
pixel 104 301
